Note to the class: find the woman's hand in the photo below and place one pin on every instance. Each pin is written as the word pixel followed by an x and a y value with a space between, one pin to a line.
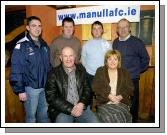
pixel 119 97
pixel 115 99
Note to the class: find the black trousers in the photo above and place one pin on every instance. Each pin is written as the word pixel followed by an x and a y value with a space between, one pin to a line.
pixel 135 101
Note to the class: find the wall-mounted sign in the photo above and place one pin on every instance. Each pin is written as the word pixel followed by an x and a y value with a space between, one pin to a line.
pixel 105 14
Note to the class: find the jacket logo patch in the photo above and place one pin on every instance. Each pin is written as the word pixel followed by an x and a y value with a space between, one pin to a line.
pixel 29 50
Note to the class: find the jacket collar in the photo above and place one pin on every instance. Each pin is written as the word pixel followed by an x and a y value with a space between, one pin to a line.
pixel 67 72
pixel 22 40
pixel 106 74
pixel 77 67
pixel 31 40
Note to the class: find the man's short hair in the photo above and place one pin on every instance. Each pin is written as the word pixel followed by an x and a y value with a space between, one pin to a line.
pixel 124 19
pixel 68 19
pixel 97 23
pixel 29 19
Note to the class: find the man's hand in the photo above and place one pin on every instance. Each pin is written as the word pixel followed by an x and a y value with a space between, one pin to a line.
pixel 77 110
pixel 23 96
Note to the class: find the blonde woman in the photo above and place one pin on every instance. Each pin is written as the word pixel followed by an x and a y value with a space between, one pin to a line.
pixel 113 87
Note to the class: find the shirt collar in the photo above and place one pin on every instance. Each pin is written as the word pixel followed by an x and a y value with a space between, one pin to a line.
pixel 126 38
pixel 73 70
pixel 66 36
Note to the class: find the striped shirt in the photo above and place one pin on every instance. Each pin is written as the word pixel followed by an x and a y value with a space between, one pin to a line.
pixel 72 95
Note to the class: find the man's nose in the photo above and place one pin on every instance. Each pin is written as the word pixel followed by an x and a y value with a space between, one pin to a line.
pixel 38 28
pixel 68 58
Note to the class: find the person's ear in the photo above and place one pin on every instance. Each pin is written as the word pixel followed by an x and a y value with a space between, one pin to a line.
pixel 62 29
pixel 130 30
pixel 102 32
pixel 27 27
pixel 117 32
pixel 60 57
pixel 73 31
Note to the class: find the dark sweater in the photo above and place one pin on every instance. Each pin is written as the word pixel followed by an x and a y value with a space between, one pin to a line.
pixel 133 54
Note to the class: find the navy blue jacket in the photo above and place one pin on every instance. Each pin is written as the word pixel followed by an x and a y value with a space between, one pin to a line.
pixel 29 65
pixel 133 54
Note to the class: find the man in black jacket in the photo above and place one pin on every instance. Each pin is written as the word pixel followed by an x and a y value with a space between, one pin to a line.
pixel 67 91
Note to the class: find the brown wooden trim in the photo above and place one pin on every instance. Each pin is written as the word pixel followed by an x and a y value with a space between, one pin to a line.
pixel 9 37
pixel 15 8
pixel 147 7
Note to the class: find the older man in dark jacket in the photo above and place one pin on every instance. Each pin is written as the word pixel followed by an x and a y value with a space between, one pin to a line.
pixel 67 91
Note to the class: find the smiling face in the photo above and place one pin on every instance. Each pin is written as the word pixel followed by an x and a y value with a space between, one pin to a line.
pixel 113 62
pixel 68 29
pixel 97 31
pixel 112 59
pixel 34 28
pixel 68 57
pixel 123 29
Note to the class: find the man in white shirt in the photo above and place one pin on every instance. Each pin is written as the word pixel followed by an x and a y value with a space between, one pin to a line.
pixel 93 51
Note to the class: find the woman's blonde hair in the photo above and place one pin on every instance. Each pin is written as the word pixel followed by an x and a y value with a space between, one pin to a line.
pixel 112 53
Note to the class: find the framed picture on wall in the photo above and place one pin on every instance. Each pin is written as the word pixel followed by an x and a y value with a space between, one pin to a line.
pixel 145 28
pixel 147 19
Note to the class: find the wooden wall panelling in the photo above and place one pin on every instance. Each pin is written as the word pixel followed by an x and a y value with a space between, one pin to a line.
pixel 146 94
pixel 14 110
pixel 86 31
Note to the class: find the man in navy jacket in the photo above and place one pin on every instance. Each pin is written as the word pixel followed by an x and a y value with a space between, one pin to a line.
pixel 30 64
pixel 134 58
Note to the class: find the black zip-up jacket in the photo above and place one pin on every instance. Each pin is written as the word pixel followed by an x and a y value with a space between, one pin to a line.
pixel 56 89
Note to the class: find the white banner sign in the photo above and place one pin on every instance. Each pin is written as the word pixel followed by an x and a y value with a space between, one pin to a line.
pixel 105 14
